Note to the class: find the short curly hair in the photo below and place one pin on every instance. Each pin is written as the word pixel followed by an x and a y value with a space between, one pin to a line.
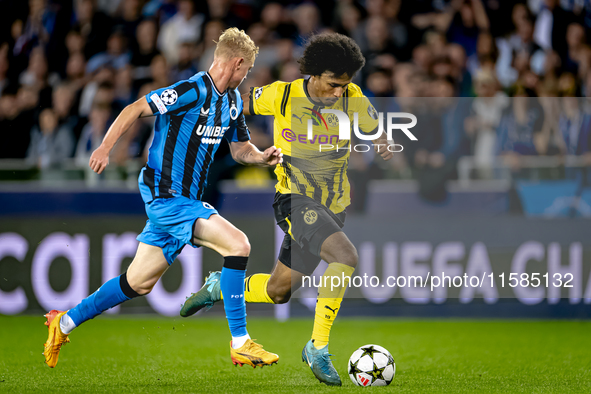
pixel 332 52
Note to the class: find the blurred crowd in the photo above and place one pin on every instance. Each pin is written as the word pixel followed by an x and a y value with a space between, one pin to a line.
pixel 67 67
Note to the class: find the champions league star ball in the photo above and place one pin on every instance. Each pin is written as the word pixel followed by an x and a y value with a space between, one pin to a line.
pixel 371 365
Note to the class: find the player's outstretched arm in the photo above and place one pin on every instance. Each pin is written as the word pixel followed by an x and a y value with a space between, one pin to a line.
pixel 246 153
pixel 100 157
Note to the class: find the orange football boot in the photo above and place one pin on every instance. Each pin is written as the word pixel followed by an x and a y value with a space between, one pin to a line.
pixel 56 337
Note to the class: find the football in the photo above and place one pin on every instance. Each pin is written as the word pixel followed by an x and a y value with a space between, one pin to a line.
pixel 371 365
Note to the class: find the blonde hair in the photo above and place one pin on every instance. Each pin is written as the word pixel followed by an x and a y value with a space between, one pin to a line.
pixel 235 43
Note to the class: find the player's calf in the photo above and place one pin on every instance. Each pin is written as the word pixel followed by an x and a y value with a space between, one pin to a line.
pixel 339 249
pixel 279 292
pixel 282 283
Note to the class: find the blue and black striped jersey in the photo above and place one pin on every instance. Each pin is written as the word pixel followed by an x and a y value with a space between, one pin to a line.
pixel 192 117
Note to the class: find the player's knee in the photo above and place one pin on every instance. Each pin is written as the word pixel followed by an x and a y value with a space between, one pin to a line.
pixel 240 245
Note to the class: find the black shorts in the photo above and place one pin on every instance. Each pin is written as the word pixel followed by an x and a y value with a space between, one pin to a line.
pixel 306 224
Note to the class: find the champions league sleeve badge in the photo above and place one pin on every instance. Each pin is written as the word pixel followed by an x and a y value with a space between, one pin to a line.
pixel 257 93
pixel 169 96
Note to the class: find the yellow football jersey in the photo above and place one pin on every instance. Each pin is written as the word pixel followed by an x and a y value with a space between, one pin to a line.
pixel 314 167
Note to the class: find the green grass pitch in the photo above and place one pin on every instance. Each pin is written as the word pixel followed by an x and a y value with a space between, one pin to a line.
pixel 164 355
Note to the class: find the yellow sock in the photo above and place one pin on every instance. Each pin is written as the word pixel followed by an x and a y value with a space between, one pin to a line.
pixel 329 301
pixel 255 289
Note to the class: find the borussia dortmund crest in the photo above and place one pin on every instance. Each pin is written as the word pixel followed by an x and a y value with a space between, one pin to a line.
pixel 310 217
pixel 371 111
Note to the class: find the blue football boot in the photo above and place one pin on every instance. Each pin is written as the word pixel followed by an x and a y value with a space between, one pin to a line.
pixel 209 294
pixel 320 364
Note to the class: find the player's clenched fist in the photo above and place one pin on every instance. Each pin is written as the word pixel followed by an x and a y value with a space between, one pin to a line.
pixel 273 156
pixel 384 152
pixel 381 147
pixel 99 159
